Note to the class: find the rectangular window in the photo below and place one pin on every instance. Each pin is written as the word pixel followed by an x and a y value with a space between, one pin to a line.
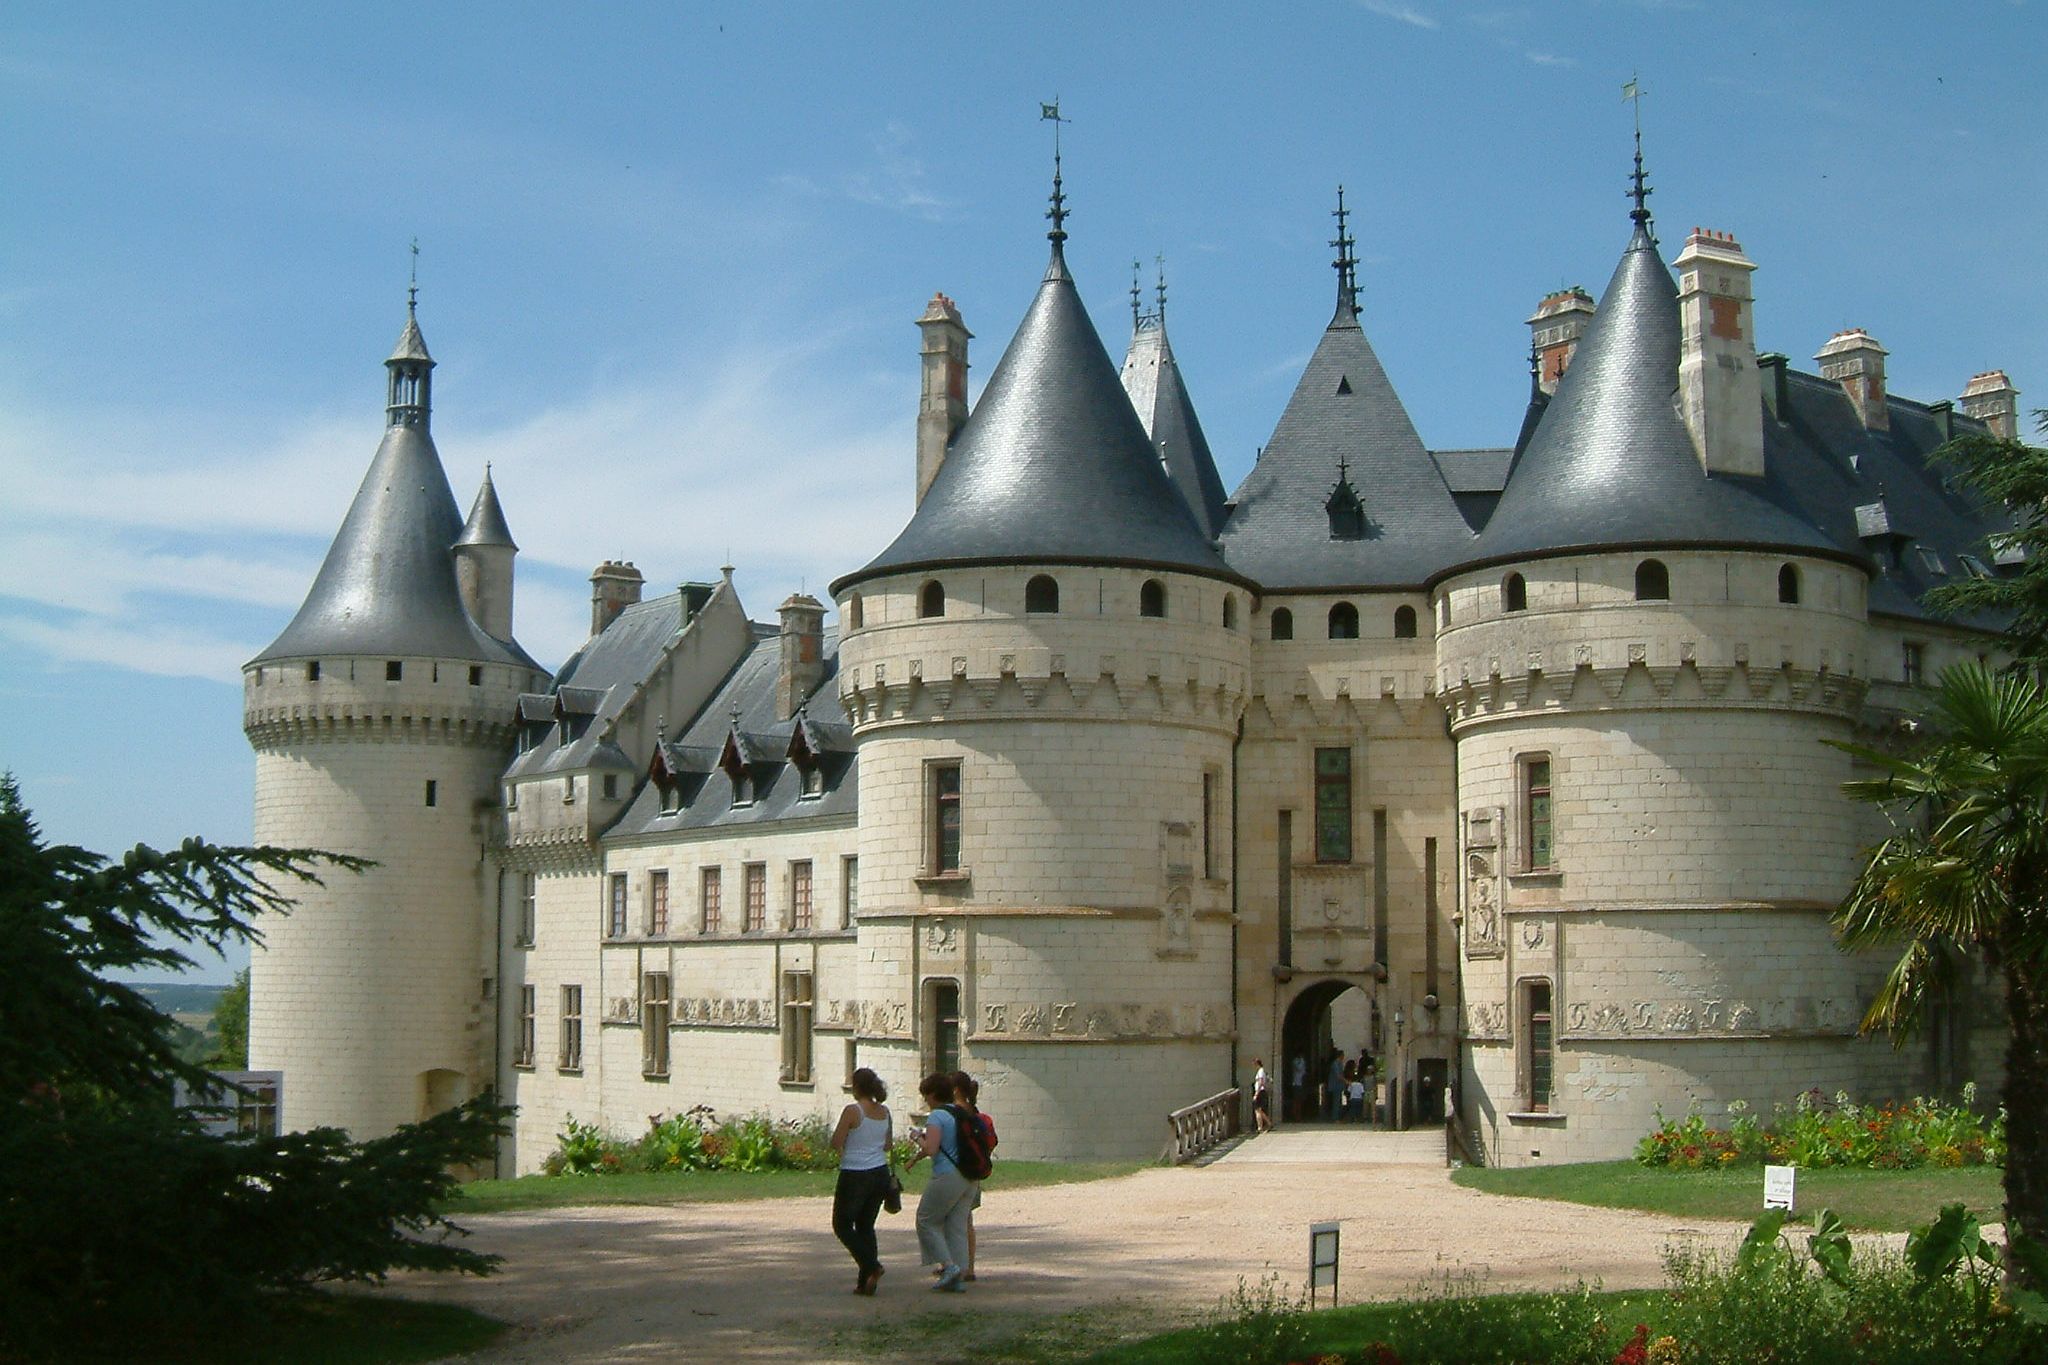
pixel 476 675
pixel 756 875
pixel 523 1055
pixel 796 1027
pixel 654 1024
pixel 944 1000
pixel 657 903
pixel 529 908
pixel 1536 821
pixel 849 891
pixel 1208 824
pixel 615 920
pixel 611 786
pixel 1913 663
pixel 433 792
pixel 800 895
pixel 710 900
pixel 1333 805
pixel 394 670
pixel 313 671
pixel 1537 1039
pixel 572 1028
pixel 945 818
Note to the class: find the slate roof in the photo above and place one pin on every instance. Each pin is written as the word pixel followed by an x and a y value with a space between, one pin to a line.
pixel 1475 478
pixel 1052 466
pixel 486 524
pixel 595 684
pixel 411 345
pixel 1153 380
pixel 1611 464
pixel 1344 409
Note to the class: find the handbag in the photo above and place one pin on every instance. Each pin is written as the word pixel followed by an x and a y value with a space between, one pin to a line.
pixel 892 1202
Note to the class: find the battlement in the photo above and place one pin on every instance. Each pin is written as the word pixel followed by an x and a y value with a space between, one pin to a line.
pixel 416 700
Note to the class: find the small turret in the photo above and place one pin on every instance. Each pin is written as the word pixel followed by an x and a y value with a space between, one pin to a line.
pixel 483 563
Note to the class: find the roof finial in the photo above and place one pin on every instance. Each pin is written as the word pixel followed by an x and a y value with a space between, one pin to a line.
pixel 1160 261
pixel 1346 263
pixel 1137 313
pixel 412 288
pixel 1058 211
pixel 1640 189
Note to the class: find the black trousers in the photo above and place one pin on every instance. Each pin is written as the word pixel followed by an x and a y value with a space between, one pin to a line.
pixel 856 1203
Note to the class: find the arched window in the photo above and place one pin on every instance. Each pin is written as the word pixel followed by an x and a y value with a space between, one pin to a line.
pixel 1514 593
pixel 1653 581
pixel 1404 623
pixel 1042 594
pixel 1283 624
pixel 1152 598
pixel 855 616
pixel 1229 612
pixel 1443 612
pixel 1343 622
pixel 1788 584
pixel 931 599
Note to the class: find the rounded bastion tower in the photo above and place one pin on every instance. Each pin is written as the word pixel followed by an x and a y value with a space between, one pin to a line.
pixel 1643 658
pixel 381 720
pixel 1045 672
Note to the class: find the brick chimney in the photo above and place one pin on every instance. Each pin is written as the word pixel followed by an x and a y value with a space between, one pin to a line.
pixel 1560 320
pixel 613 588
pixel 803 653
pixel 1853 359
pixel 942 405
pixel 1992 400
pixel 1720 390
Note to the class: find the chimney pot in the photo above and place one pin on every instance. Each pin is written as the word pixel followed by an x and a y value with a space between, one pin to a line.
pixel 1720 386
pixel 1991 398
pixel 1854 359
pixel 803 652
pixel 614 586
pixel 942 401
pixel 1561 318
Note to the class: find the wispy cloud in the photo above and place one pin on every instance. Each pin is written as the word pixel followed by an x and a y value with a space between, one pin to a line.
pixel 1388 9
pixel 894 179
pixel 1549 58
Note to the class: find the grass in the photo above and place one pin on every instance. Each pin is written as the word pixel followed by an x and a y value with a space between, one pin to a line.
pixel 1877 1201
pixel 1009 1337
pixel 720 1187
pixel 327 1329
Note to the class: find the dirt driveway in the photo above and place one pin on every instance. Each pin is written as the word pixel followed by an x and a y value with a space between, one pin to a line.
pixel 766 1280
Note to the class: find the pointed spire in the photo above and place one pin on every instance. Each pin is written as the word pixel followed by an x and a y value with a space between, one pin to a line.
pixel 486 524
pixel 1346 263
pixel 1160 260
pixel 409 368
pixel 1058 212
pixel 1639 189
pixel 1137 312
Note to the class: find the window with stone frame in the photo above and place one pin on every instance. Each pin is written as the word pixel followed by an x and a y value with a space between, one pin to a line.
pixel 657 903
pixel 1333 805
pixel 1912 663
pixel 615 906
pixel 522 1054
pixel 796 1027
pixel 1539 851
pixel 754 882
pixel 1537 1042
pixel 1282 624
pixel 1344 622
pixel 942 1028
pixel 572 1029
pixel 1208 822
pixel 529 908
pixel 849 891
pixel 710 900
pixel 800 912
pixel 654 1017
pixel 945 819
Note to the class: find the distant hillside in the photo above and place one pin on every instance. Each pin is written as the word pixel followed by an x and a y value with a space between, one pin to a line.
pixel 180 997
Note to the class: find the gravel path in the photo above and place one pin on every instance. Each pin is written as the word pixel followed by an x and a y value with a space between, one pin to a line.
pixel 766 1281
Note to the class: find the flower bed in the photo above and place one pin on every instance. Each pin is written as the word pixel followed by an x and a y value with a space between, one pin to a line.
pixel 696 1140
pixel 1815 1132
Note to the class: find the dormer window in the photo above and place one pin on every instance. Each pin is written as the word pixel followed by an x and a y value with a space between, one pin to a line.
pixel 743 788
pixel 814 780
pixel 1974 566
pixel 671 798
pixel 1931 558
pixel 1346 511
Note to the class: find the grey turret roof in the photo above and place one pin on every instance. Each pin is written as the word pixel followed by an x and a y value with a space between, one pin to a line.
pixel 1344 410
pixel 1151 376
pixel 387 586
pixel 486 524
pixel 411 345
pixel 1611 464
pixel 1052 466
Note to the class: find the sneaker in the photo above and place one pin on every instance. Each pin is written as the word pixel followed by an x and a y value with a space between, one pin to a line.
pixel 949 1281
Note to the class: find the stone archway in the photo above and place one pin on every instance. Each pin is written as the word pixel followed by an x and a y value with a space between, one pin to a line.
pixel 1324 1017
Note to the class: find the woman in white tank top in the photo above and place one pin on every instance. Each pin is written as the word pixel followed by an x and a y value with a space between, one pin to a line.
pixel 862 1141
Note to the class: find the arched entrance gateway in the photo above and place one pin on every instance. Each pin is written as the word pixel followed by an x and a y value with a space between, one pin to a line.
pixel 1328 1020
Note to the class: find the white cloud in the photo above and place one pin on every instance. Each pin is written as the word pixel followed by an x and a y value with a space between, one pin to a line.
pixel 895 179
pixel 1549 58
pixel 142 647
pixel 1387 9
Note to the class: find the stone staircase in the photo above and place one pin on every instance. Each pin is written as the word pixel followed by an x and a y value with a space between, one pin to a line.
pixel 1333 1144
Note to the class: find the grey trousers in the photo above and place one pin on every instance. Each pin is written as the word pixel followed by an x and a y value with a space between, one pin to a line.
pixel 942 1213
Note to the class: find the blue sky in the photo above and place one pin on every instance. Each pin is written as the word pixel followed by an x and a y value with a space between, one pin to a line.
pixel 670 256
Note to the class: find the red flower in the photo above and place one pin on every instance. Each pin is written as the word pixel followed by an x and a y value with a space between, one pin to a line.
pixel 1637 1352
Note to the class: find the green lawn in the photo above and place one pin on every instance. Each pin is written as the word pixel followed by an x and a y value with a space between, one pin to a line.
pixel 327 1329
pixel 716 1187
pixel 1882 1201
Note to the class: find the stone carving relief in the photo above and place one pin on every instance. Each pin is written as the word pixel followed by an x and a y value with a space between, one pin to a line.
pixel 1483 857
pixel 1103 1022
pixel 1486 1019
pixel 709 1011
pixel 1709 1017
pixel 942 936
pixel 1532 933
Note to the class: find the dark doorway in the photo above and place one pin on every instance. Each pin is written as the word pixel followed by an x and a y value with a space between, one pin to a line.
pixel 1431 1076
pixel 1327 1019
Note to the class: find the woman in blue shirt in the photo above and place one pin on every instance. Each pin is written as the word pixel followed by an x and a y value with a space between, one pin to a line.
pixel 948 1200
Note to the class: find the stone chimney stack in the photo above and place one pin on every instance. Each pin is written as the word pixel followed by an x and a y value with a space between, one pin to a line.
pixel 1853 359
pixel 1992 400
pixel 1560 320
pixel 1720 389
pixel 803 653
pixel 613 588
pixel 942 405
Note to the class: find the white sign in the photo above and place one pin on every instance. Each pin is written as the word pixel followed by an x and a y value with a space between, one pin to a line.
pixel 1778 1187
pixel 1322 1260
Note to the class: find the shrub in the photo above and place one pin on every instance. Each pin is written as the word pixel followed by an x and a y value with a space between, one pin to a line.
pixel 1816 1132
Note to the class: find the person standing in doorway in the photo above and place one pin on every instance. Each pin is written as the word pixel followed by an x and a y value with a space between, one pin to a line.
pixel 1333 1087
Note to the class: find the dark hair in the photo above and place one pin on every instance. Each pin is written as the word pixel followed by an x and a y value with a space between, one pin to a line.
pixel 937 1087
pixel 966 1090
pixel 868 1085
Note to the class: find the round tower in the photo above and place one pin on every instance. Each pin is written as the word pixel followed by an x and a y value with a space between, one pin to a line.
pixel 1644 659
pixel 1044 673
pixel 381 720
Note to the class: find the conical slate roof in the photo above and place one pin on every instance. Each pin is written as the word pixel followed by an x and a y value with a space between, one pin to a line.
pixel 486 524
pixel 1152 378
pixel 1345 411
pixel 1611 464
pixel 411 345
pixel 1051 466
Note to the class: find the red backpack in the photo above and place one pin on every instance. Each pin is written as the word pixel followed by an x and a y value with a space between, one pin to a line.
pixel 973 1143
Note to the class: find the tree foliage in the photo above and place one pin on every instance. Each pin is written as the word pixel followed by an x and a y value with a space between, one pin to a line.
pixel 119 1215
pixel 231 1026
pixel 2014 475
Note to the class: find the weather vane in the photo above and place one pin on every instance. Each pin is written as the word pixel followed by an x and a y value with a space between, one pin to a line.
pixel 1640 190
pixel 1058 211
pixel 1346 263
pixel 412 288
pixel 1137 313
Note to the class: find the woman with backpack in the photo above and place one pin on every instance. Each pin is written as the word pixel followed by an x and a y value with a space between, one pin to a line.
pixel 967 1096
pixel 948 1200
pixel 862 1141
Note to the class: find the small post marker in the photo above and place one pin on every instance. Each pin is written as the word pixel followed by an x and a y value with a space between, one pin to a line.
pixel 1778 1187
pixel 1322 1261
